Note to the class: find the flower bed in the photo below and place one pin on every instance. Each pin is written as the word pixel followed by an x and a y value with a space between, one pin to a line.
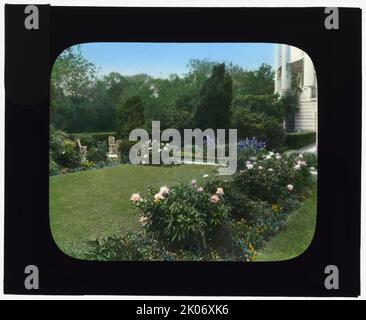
pixel 218 220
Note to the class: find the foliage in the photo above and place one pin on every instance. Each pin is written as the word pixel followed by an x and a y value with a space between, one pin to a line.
pixel 252 144
pixel 289 105
pixel 72 79
pixel 97 154
pixel 64 152
pixel 91 138
pixel 184 215
pixel 131 116
pixel 311 159
pixel 214 108
pixel 268 179
pixel 296 140
pixel 264 128
pixel 54 168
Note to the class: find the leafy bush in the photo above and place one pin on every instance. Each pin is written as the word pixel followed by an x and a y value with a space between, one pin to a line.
pixel 273 178
pixel 124 149
pixel 222 220
pixel 267 104
pixel 296 140
pixel 264 128
pixel 311 159
pixel 96 136
pixel 86 140
pixel 142 246
pixel 67 154
pixel 98 154
pixel 54 168
pixel 184 216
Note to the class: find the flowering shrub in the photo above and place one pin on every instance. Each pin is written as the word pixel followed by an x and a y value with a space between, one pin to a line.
pixel 273 178
pixel 252 144
pixel 220 219
pixel 184 215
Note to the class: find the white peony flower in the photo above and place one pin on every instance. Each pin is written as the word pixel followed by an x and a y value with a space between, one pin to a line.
pixel 278 157
pixel 199 189
pixel 159 197
pixel 220 191
pixel 297 167
pixel 164 190
pixel 249 166
pixel 260 167
pixel 135 197
pixel 290 187
pixel 270 170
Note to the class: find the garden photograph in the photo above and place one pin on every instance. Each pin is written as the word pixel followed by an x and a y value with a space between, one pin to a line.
pixel 206 107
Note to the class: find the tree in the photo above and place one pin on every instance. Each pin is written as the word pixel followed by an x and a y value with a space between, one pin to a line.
pixel 131 116
pixel 214 110
pixel 72 81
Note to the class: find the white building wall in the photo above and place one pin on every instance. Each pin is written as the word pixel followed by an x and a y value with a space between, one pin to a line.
pixel 306 117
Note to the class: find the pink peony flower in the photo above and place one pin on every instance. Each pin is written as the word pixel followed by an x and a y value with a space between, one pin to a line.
pixel 135 197
pixel 290 187
pixel 193 183
pixel 199 189
pixel 215 198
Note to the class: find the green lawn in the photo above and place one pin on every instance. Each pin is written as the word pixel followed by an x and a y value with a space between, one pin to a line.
pixel 91 204
pixel 295 237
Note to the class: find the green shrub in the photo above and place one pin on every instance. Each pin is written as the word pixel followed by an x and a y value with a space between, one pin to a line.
pixel 67 154
pixel 269 177
pixel 54 168
pixel 296 140
pixel 142 246
pixel 96 136
pixel 85 140
pixel 98 154
pixel 124 149
pixel 264 128
pixel 311 159
pixel 185 216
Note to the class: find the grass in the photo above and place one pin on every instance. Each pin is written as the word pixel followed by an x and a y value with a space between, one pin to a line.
pixel 295 237
pixel 95 204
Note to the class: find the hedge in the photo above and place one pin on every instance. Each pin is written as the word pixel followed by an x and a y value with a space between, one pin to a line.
pixel 97 136
pixel 296 140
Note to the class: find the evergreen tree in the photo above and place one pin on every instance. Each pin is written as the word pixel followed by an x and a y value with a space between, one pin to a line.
pixel 130 116
pixel 214 107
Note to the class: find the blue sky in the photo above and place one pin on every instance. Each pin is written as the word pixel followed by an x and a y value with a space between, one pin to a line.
pixel 162 59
